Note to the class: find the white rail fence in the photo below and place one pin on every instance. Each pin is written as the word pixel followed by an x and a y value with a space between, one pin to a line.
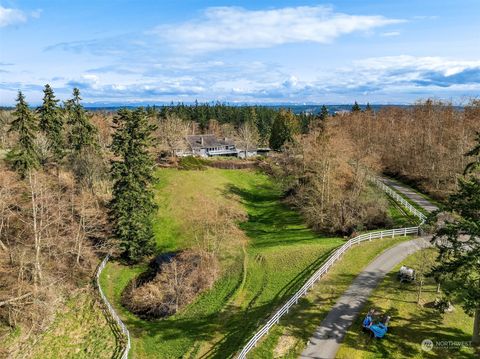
pixel 319 274
pixel 301 292
pixel 399 199
pixel 332 259
pixel 123 329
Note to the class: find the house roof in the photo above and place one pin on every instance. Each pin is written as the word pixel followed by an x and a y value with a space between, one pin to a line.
pixel 195 141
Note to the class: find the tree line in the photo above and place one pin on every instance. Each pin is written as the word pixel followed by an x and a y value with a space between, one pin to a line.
pixel 73 186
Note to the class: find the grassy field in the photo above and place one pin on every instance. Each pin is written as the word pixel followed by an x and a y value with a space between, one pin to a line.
pixel 410 323
pixel 281 254
pixel 80 331
pixel 289 338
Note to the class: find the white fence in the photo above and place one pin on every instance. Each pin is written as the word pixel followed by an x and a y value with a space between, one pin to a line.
pixel 332 259
pixel 302 291
pixel 317 275
pixel 399 199
pixel 123 329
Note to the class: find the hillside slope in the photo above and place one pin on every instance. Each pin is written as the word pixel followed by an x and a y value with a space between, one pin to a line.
pixel 261 265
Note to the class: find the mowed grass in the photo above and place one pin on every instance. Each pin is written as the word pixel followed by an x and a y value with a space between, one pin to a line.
pixel 281 253
pixel 289 338
pixel 79 331
pixel 410 323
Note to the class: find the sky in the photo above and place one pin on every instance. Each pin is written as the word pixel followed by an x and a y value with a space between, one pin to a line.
pixel 336 52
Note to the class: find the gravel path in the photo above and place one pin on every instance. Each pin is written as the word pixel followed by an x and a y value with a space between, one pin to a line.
pixel 328 337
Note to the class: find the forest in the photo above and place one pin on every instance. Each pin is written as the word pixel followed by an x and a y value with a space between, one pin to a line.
pixel 77 185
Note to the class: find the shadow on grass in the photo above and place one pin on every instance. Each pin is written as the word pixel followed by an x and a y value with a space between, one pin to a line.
pixel 228 325
pixel 426 324
pixel 242 324
pixel 270 222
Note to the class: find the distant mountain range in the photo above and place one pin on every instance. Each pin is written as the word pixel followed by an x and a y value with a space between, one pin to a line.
pixel 296 108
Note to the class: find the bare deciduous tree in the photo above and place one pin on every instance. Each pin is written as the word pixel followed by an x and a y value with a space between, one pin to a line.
pixel 171 134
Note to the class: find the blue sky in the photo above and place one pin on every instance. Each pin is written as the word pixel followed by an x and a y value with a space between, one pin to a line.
pixel 119 51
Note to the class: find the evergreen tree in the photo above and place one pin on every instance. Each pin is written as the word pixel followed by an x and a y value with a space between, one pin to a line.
pixel 24 156
pixel 84 155
pixel 51 123
pixel 82 133
pixel 459 251
pixel 368 108
pixel 304 119
pixel 132 205
pixel 324 113
pixel 284 127
pixel 356 107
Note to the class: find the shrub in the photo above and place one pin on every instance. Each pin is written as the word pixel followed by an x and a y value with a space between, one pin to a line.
pixel 178 281
pixel 192 163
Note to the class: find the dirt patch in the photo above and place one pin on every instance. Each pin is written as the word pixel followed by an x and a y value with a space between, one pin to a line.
pixel 284 345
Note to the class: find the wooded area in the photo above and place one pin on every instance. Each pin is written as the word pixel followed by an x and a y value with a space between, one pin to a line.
pixel 76 185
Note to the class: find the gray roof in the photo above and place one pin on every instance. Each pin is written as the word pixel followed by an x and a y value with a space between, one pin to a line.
pixel 195 141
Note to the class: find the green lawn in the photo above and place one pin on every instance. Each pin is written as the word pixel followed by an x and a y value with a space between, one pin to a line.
pixel 281 254
pixel 289 338
pixel 410 323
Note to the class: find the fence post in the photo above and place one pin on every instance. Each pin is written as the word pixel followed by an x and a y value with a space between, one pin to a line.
pixel 333 258
pixel 113 314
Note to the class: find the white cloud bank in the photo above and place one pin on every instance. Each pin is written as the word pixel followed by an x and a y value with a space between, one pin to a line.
pixel 222 28
pixel 10 16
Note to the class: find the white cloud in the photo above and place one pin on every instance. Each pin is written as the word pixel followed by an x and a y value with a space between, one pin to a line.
pixel 237 28
pixel 446 66
pixel 10 16
pixel 390 33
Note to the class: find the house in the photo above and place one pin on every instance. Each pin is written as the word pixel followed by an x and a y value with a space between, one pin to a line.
pixel 210 145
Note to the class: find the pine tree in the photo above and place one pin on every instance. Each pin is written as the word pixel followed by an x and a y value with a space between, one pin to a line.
pixel 324 113
pixel 84 155
pixel 368 108
pixel 51 123
pixel 459 252
pixel 24 156
pixel 132 205
pixel 82 133
pixel 356 107
pixel 284 127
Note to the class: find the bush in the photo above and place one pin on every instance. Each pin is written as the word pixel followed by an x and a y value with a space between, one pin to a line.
pixel 192 163
pixel 178 281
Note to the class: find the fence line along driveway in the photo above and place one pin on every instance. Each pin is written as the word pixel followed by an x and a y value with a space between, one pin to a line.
pixel 328 337
pixel 331 260
pixel 126 343
pixel 410 194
